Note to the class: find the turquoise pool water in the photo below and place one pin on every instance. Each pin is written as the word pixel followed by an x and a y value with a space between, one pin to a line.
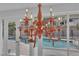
pixel 46 44
pixel 57 44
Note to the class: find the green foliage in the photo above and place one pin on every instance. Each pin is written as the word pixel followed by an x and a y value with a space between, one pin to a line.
pixel 62 23
pixel 12 28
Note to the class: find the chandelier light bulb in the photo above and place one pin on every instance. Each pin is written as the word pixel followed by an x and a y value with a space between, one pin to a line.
pixel 31 16
pixel 51 12
pixel 51 9
pixel 60 18
pixel 46 24
pixel 26 10
pixel 21 20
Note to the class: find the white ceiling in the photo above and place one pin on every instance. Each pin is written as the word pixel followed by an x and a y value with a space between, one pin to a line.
pixel 13 6
pixel 55 6
pixel 18 9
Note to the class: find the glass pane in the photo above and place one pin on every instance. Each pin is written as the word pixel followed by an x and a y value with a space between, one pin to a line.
pixel 74 39
pixel 11 38
pixel 57 45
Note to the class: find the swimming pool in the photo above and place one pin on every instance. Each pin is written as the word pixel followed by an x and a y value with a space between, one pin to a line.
pixel 49 44
pixel 56 44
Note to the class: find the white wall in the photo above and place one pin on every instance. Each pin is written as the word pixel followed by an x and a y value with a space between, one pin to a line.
pixel 1 40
